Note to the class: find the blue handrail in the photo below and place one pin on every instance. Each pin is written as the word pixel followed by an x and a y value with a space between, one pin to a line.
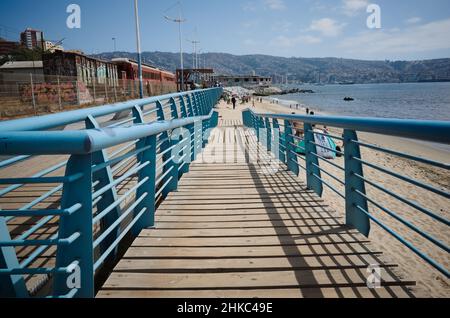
pixel 147 147
pixel 354 183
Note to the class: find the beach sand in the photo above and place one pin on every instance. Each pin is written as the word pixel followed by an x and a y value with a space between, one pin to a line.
pixel 430 283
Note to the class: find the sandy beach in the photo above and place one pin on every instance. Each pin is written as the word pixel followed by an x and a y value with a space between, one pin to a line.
pixel 430 283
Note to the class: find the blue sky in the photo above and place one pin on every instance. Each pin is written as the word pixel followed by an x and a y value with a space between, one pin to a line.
pixel 411 29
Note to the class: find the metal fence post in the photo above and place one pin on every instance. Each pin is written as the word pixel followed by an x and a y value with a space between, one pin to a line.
pixel 312 162
pixel 354 216
pixel 78 93
pixel 106 91
pixel 291 158
pixel 59 94
pixel 95 93
pixel 32 94
pixel 78 256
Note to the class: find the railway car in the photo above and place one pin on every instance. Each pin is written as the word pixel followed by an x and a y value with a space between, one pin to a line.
pixel 128 69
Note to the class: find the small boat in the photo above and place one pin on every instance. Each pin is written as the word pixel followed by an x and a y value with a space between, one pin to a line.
pixel 349 99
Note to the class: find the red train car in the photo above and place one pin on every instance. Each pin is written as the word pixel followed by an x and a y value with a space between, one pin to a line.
pixel 128 69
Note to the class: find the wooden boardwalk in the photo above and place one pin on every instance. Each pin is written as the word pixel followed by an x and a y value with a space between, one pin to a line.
pixel 238 228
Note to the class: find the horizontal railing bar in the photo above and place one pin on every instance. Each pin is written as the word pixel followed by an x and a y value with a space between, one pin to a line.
pixel 298 164
pixel 126 175
pixel 84 141
pixel 120 123
pixel 31 180
pixel 19 213
pixel 129 145
pixel 328 185
pixel 327 135
pixel 163 186
pixel 120 158
pixel 298 155
pixel 329 174
pixel 404 178
pixel 116 203
pixel 70 117
pixel 406 222
pixel 117 222
pixel 118 239
pixel 41 249
pixel 408 202
pixel 37 175
pixel 425 257
pixel 404 155
pixel 164 175
pixel 11 161
pixel 328 161
pixel 17 242
pixel 437 131
pixel 327 148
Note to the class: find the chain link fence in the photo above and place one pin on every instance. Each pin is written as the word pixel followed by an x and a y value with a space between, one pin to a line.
pixel 35 94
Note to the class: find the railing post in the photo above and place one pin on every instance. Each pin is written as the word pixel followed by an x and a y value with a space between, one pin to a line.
pixel 281 147
pixel 191 113
pixel 291 158
pixel 78 256
pixel 312 162
pixel 147 219
pixel 268 134
pixel 170 164
pixel 10 285
pixel 184 114
pixel 353 215
pixel 104 177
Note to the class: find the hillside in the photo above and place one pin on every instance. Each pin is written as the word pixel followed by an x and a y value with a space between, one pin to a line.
pixel 325 70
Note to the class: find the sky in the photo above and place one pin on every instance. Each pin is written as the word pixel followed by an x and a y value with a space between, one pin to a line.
pixel 410 29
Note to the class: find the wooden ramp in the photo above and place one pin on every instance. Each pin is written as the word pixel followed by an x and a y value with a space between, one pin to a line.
pixel 239 226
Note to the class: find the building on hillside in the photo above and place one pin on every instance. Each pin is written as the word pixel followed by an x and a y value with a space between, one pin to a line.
pixel 15 72
pixel 32 39
pixel 52 47
pixel 86 69
pixel 242 80
pixel 7 47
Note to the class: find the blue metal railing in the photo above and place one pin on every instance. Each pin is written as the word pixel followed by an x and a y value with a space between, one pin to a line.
pixel 116 163
pixel 353 187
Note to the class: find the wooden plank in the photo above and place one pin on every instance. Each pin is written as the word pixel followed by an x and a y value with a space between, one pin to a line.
pixel 330 292
pixel 280 279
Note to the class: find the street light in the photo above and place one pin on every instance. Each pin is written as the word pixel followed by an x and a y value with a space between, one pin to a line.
pixel 138 40
pixel 115 48
pixel 179 20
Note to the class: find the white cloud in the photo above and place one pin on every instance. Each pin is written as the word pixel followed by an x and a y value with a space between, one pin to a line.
pixel 413 20
pixel 250 6
pixel 288 42
pixel 274 4
pixel 387 43
pixel 352 7
pixel 326 26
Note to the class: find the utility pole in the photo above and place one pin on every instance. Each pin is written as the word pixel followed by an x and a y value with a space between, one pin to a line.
pixel 138 41
pixel 115 47
pixel 179 20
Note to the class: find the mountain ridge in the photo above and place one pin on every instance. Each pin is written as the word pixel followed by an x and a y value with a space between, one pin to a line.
pixel 307 70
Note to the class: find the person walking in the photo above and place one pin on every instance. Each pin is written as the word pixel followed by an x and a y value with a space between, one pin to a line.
pixel 233 100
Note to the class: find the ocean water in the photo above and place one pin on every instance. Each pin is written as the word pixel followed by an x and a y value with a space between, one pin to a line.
pixel 429 101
